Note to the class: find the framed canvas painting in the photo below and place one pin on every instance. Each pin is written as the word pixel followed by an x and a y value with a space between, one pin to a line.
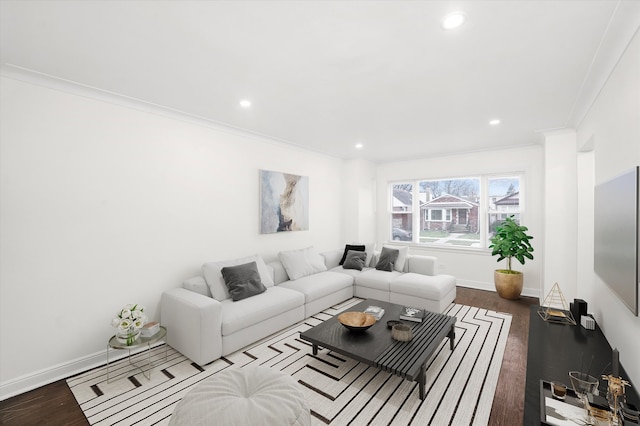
pixel 284 202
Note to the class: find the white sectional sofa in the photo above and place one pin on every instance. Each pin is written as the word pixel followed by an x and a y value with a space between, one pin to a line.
pixel 205 323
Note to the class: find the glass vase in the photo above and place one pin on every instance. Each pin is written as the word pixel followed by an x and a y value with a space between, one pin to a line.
pixel 128 336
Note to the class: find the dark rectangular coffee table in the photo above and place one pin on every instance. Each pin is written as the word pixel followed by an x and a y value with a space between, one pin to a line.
pixel 377 348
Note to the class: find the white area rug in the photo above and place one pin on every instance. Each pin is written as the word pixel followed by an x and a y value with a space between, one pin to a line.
pixel 460 384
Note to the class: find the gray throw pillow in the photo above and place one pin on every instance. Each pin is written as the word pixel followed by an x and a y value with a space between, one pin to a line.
pixel 243 280
pixel 355 260
pixel 388 258
pixel 349 247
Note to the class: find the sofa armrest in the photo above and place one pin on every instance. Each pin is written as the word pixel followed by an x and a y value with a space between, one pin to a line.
pixel 194 324
pixel 425 265
pixel 332 258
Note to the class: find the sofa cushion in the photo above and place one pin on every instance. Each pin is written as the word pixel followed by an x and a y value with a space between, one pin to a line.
pixel 243 280
pixel 197 285
pixel 424 286
pixel 350 272
pixel 387 259
pixel 349 247
pixel 425 265
pixel 253 310
pixel 213 275
pixel 375 279
pixel 302 262
pixel 355 260
pixel 403 253
pixel 319 285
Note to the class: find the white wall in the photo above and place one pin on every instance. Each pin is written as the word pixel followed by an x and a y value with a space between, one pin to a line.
pixel 359 212
pixel 105 204
pixel 474 268
pixel 612 126
pixel 560 203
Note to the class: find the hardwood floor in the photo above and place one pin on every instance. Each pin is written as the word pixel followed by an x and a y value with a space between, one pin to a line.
pixel 54 404
pixel 508 402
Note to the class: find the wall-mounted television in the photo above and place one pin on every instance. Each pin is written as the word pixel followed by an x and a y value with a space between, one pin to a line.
pixel 617 235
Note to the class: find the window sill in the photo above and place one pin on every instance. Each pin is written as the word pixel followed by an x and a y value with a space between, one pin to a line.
pixel 444 249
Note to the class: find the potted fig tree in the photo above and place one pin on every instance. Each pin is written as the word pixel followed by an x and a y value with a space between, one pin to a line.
pixel 510 241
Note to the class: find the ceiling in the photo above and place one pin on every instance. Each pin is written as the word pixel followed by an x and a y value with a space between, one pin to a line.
pixel 326 75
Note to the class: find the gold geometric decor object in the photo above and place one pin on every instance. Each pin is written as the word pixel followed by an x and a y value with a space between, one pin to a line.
pixel 555 308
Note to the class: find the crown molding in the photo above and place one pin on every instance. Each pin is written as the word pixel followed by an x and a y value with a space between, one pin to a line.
pixel 620 32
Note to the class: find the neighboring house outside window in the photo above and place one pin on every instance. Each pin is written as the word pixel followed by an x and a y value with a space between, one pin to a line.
pixel 460 215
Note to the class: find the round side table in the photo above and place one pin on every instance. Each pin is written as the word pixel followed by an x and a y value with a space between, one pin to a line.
pixel 141 342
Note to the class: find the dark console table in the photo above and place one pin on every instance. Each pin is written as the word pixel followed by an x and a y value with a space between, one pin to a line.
pixel 554 350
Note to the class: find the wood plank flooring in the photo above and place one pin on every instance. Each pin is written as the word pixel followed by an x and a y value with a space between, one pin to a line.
pixel 54 404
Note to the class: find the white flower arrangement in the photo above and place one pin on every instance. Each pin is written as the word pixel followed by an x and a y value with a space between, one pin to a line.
pixel 131 316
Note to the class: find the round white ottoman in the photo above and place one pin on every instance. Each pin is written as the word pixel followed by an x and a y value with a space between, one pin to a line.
pixel 244 396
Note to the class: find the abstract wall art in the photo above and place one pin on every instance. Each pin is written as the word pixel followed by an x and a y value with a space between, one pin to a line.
pixel 284 202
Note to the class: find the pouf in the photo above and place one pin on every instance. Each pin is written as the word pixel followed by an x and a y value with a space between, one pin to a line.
pixel 244 396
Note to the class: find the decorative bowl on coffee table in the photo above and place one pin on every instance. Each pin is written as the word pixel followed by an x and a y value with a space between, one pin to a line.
pixel 356 321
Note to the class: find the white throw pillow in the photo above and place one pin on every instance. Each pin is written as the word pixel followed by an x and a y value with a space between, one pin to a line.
pixel 213 275
pixel 403 252
pixel 302 262
pixel 370 249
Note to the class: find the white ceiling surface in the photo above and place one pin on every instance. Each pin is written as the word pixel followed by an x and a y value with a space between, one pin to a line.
pixel 326 75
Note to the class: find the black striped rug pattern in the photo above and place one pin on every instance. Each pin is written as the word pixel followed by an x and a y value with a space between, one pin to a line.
pixel 460 383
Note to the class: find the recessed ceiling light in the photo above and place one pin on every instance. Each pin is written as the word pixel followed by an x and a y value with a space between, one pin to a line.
pixel 452 20
pixel 494 122
pixel 359 146
pixel 245 103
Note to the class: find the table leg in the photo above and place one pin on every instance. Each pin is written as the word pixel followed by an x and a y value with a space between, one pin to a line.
pixel 314 349
pixel 452 337
pixel 107 363
pixel 148 362
pixel 422 379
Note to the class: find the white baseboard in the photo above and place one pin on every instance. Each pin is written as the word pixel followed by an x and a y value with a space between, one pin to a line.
pixel 527 292
pixel 64 370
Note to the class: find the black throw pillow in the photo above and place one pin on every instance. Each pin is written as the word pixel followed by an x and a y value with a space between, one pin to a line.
pixel 355 260
pixel 243 280
pixel 388 258
pixel 350 247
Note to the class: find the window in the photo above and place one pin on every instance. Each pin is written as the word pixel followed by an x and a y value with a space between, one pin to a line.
pixel 456 212
pixel 402 211
pixel 504 196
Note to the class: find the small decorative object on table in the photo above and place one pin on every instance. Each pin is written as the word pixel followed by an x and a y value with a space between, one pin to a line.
pixel 128 323
pixel 555 308
pixel 375 311
pixel 149 329
pixel 615 392
pixel 412 314
pixel 588 322
pixel 583 383
pixel 401 332
pixel 558 390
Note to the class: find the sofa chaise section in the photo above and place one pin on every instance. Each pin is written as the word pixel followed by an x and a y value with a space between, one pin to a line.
pixel 418 284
